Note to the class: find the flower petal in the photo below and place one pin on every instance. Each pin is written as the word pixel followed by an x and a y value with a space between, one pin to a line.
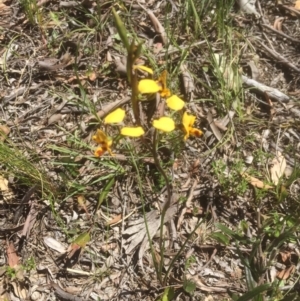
pixel 115 117
pixel 162 81
pixel 196 132
pixel 99 152
pixel 165 93
pixel 144 68
pixel 100 137
pixel 148 86
pixel 188 120
pixel 165 124
pixel 132 131
pixel 175 103
pixel 187 135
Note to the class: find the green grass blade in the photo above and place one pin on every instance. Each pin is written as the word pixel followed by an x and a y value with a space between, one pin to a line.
pixel 105 192
pixel 256 292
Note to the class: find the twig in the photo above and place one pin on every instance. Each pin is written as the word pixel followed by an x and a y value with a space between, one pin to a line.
pixel 281 33
pixel 279 57
pixel 25 200
pixel 293 10
pixel 64 295
pixel 210 259
pixel 31 217
pixel 271 92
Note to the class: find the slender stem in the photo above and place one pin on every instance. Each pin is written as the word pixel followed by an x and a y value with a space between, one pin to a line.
pixel 134 97
pixel 167 203
pixel 133 156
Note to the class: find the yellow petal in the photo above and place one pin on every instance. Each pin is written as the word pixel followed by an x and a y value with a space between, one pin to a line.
pixel 148 86
pixel 165 124
pixel 175 103
pixel 108 143
pixel 100 137
pixel 132 131
pixel 144 68
pixel 185 123
pixel 188 120
pixel 115 117
pixel 196 132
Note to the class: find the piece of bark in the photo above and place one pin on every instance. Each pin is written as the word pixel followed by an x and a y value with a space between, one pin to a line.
pixel 213 127
pixel 63 294
pixel 261 88
pixel 30 220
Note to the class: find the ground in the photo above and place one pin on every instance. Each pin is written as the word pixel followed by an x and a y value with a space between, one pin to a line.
pixel 169 215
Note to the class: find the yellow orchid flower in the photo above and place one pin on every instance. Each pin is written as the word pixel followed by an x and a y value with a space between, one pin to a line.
pixel 188 122
pixel 132 131
pixel 116 116
pixel 105 142
pixel 148 86
pixel 165 124
pixel 175 103
pixel 162 81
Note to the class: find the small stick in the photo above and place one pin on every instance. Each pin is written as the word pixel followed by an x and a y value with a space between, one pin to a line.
pixel 281 33
pixel 271 92
pixel 279 57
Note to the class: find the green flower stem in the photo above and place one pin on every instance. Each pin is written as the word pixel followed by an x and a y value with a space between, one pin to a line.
pixel 134 98
pixel 133 54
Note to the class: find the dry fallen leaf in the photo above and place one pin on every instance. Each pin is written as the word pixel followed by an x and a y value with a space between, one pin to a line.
pixel 3 184
pixel 286 273
pixel 12 256
pixel 159 29
pixel 278 23
pixel 254 70
pixel 4 131
pixel 54 118
pixel 115 220
pixel 188 81
pixel 255 182
pixel 277 168
pixel 285 256
pixel 54 244
pixel 297 4
pixel 248 7
pixel 213 126
pixel 19 290
pixel 92 75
